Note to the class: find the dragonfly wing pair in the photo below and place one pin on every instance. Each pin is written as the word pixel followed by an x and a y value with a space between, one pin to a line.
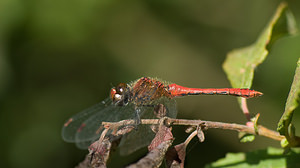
pixel 83 128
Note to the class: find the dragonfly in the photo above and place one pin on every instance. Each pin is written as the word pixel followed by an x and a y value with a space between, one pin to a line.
pixel 135 100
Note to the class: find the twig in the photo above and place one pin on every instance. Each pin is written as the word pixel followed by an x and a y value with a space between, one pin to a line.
pixel 191 136
pixel 245 109
pixel 262 131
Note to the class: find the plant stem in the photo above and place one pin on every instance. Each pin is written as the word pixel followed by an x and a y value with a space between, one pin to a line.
pixel 262 131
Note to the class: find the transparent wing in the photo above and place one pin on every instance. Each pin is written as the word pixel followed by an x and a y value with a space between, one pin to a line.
pixel 71 126
pixel 85 127
pixel 92 128
pixel 143 136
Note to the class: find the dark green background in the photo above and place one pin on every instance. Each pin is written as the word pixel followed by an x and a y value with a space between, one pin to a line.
pixel 59 57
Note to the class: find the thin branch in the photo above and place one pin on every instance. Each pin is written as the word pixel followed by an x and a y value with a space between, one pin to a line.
pixel 262 131
pixel 245 109
pixel 191 136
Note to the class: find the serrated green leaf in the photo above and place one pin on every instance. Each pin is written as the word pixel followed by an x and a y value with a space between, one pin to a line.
pixel 244 137
pixel 290 106
pixel 240 63
pixel 267 158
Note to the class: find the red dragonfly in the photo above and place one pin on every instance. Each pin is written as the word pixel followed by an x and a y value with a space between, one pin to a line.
pixel 135 100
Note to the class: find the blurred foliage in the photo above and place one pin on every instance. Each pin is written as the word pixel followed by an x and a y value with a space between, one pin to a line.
pixel 270 157
pixel 59 57
pixel 285 126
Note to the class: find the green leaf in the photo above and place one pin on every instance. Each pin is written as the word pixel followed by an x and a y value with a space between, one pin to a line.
pixel 244 137
pixel 270 157
pixel 240 63
pixel 284 143
pixel 290 106
pixel 255 122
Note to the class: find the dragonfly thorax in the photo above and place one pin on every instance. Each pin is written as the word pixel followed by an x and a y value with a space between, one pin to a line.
pixel 120 94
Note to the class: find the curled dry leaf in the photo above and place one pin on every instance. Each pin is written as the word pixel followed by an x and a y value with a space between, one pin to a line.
pixel 164 134
pixel 190 129
pixel 99 152
pixel 175 156
pixel 158 147
pixel 155 157
pixel 200 134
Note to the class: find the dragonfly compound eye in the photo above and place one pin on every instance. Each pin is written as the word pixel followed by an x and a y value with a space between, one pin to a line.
pixel 115 97
pixel 121 88
pixel 120 94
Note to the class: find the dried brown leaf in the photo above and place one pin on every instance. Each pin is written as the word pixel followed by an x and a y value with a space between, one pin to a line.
pixel 200 134
pixel 99 152
pixel 155 157
pixel 164 134
pixel 176 155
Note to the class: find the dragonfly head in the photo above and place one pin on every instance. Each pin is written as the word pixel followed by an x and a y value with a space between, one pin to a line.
pixel 120 94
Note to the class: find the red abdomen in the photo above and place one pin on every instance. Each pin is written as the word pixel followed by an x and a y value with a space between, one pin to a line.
pixel 177 90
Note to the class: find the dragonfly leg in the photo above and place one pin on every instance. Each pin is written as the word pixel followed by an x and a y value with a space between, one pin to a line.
pixel 160 111
pixel 137 116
